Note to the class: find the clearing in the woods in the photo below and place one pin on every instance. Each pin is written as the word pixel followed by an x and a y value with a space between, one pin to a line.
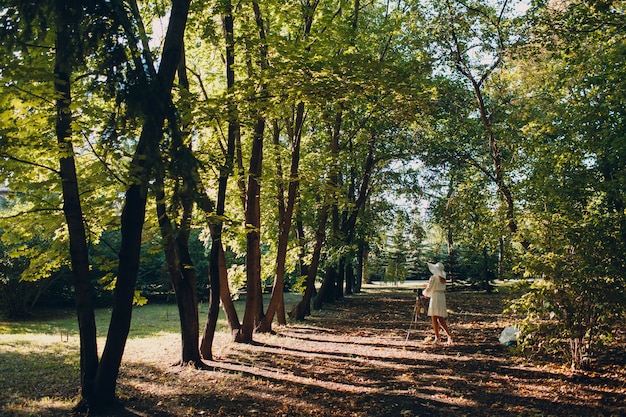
pixel 350 359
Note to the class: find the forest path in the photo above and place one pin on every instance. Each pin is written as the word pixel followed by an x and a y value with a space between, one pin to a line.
pixel 352 359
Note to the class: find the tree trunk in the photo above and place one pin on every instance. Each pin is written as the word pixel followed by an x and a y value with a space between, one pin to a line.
pixel 486 285
pixel 366 276
pixel 208 335
pixel 303 308
pixel 218 276
pixel 350 216
pixel 133 213
pixel 327 291
pixel 182 274
pixel 501 258
pixel 254 302
pixel 254 297
pixel 340 279
pixel 217 268
pixel 79 253
pixel 361 268
pixel 277 302
pixel 350 279
pixel 277 298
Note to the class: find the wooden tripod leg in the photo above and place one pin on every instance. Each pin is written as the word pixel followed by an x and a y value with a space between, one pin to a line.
pixel 416 313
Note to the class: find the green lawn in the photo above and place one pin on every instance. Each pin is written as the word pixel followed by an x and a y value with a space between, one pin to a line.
pixel 148 320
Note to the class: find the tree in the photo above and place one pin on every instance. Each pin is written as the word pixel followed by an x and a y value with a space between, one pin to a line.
pixel 475 39
pixel 573 203
pixel 98 377
pixel 286 206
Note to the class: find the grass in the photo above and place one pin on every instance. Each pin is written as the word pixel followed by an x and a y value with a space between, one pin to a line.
pixel 148 320
pixel 39 358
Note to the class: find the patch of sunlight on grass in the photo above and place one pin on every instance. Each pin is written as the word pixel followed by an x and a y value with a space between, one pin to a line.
pixel 33 342
pixel 46 405
pixel 147 321
pixel 39 374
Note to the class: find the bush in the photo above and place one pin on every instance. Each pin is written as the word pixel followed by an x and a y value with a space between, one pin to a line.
pixel 573 311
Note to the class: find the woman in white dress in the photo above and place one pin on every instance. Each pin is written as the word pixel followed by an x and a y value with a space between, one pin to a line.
pixel 436 291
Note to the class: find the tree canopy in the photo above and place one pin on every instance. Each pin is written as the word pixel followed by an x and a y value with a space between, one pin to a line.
pixel 284 144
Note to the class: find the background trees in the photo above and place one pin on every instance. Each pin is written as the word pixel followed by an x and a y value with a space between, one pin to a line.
pixel 571 125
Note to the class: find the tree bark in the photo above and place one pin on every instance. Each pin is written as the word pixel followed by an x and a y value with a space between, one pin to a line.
pixel 218 276
pixel 303 308
pixel 285 215
pixel 182 274
pixel 72 209
pixel 254 302
pixel 277 301
pixel 133 213
pixel 326 291
pixel 350 216
pixel 350 281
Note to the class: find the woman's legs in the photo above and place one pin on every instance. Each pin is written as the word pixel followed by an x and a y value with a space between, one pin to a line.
pixel 444 326
pixel 436 327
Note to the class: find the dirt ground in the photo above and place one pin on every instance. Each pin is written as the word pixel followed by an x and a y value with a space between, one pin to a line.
pixel 353 359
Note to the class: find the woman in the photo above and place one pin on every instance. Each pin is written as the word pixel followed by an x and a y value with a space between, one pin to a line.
pixel 436 291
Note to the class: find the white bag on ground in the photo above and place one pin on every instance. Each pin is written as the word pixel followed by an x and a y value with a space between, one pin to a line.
pixel 509 335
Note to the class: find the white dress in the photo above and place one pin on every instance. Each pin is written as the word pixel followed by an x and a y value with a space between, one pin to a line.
pixel 436 290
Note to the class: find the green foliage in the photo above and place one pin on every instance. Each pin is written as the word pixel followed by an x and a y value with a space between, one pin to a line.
pixel 580 288
pixel 573 128
pixel 28 277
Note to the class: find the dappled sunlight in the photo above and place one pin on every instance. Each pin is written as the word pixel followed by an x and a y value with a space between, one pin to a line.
pixel 350 359
pixel 43 406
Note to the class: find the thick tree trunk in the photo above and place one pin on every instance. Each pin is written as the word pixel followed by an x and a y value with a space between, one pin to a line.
pixel 208 335
pixel 188 305
pixel 133 213
pixel 326 293
pixel 132 220
pixel 72 209
pixel 254 302
pixel 176 239
pixel 340 279
pixel 350 279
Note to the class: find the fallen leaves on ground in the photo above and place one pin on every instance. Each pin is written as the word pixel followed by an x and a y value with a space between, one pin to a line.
pixel 353 359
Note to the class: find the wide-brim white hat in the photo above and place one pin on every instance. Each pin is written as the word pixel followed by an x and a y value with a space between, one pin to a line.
pixel 436 269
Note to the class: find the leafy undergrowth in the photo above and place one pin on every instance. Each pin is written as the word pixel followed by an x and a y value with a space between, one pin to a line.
pixel 350 359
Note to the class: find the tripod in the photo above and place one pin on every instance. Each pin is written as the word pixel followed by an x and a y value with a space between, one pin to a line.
pixel 418 309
